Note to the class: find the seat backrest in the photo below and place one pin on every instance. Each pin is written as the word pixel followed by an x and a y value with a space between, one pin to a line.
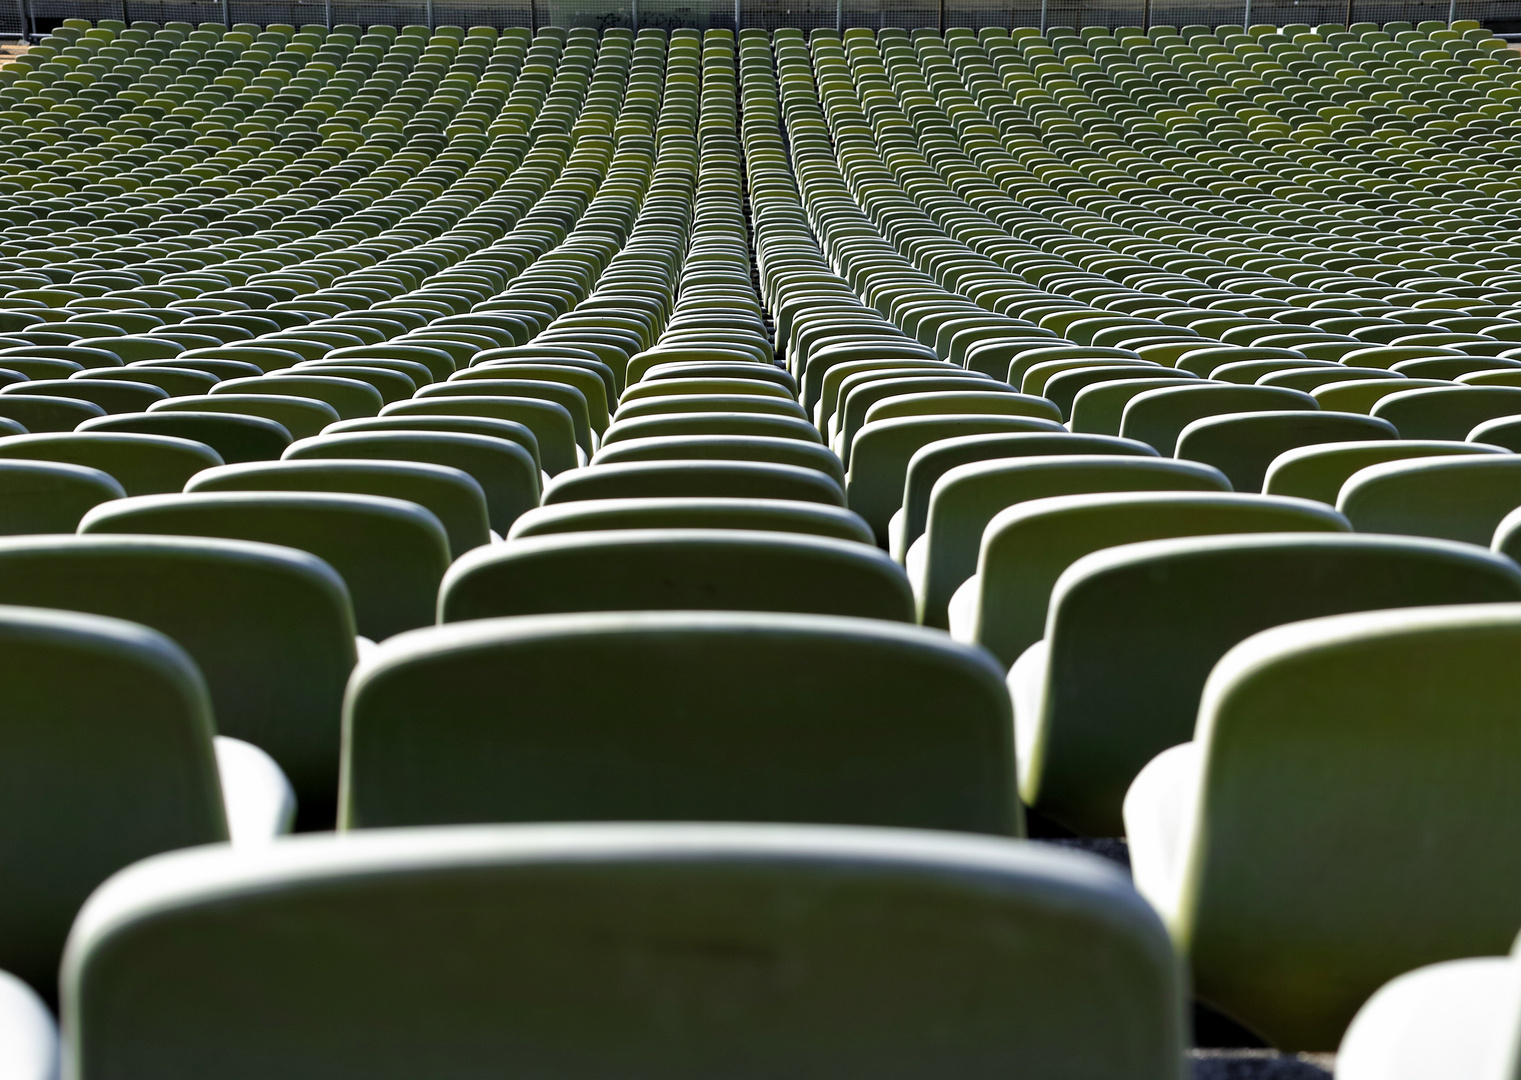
pixel 1415 863
pixel 1447 412
pixel 50 496
pixel 452 495
pixel 1028 546
pixel 499 948
pixel 721 479
pixel 1133 631
pixel 549 421
pixel 505 470
pixel 106 757
pixel 390 553
pixel 1455 498
pixel 967 497
pixel 931 462
pixel 1244 445
pixel 675 570
pixel 678 512
pixel 924 720
pixel 302 417
pixel 1318 471
pixel 881 452
pixel 276 672
pixel 142 464
pixel 725 448
pixel 233 436
pixel 1159 416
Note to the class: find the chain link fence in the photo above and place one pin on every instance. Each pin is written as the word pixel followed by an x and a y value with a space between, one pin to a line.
pixel 39 16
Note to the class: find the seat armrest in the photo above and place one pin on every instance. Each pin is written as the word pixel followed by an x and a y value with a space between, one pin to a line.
pixel 1451 1019
pixel 28 1033
pixel 1156 811
pixel 256 794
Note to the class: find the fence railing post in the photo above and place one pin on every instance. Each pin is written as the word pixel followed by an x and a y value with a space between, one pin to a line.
pixel 430 16
pixel 1246 15
pixel 839 16
pixel 329 14
pixel 1452 12
pixel 738 18
pixel 1043 4
pixel 21 8
pixel 227 12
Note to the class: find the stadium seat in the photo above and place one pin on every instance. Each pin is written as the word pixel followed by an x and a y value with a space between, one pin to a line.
pixel 1459 497
pixel 1319 470
pixel 855 908
pixel 678 570
pixel 1244 445
pixel 967 497
pixel 1131 637
pixel 504 469
pixel 451 495
pixel 1285 857
pixel 111 755
pixel 1027 547
pixel 690 512
pixel 143 464
pixel 50 496
pixel 391 553
pixel 275 674
pixel 926 720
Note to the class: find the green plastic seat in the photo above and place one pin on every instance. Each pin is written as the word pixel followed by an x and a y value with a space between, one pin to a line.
pixel 550 422
pixel 1159 416
pixel 301 417
pixel 1099 408
pixel 275 673
pixel 50 496
pixel 1447 412
pixel 858 909
pixel 701 478
pixel 451 495
pixel 724 447
pixel 881 453
pixel 711 423
pixel 1028 546
pixel 675 570
pixel 348 397
pixel 568 397
pixel 113 397
pixel 933 461
pixel 108 759
pixel 1285 857
pixel 1454 498
pixel 506 472
pixel 40 414
pixel 1319 471
pixel 144 464
pixel 233 436
pixel 690 512
pixel 928 703
pixel 967 497
pixel 1361 395
pixel 390 553
pixel 1132 633
pixel 1244 445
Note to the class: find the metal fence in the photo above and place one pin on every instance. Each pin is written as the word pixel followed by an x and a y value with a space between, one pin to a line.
pixel 1500 16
